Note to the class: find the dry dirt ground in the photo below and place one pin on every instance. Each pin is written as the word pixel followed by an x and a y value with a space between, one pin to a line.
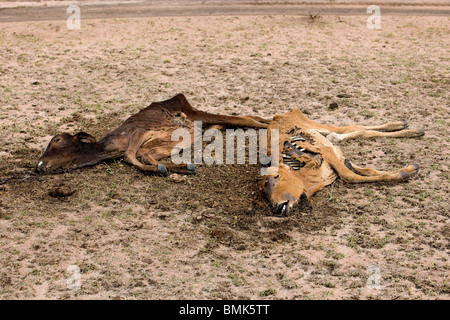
pixel 210 236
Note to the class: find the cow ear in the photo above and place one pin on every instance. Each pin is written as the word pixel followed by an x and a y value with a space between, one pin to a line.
pixel 84 137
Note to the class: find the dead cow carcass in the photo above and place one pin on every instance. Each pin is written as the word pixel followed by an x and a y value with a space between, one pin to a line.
pixel 309 161
pixel 145 136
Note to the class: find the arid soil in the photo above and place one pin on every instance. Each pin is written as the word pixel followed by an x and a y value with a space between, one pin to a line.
pixel 211 236
pixel 17 11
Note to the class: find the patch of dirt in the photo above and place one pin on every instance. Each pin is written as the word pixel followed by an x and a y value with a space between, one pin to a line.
pixel 212 236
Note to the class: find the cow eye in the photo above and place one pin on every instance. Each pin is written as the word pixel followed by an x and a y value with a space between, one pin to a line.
pixel 57 140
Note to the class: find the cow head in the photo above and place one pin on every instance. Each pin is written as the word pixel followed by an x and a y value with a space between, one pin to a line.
pixel 64 152
pixel 286 193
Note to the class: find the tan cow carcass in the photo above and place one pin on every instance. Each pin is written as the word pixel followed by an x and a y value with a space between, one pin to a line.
pixel 309 160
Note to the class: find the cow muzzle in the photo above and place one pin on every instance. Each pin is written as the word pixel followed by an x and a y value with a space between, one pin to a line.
pixel 42 166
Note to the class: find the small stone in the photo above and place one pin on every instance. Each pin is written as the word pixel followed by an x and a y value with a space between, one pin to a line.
pixel 174 177
pixel 333 106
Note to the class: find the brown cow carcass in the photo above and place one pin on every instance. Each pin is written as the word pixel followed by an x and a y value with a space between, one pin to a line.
pixel 145 136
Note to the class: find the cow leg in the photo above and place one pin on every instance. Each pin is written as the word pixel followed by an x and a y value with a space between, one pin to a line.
pixel 387 127
pixel 135 142
pixel 245 121
pixel 171 167
pixel 259 119
pixel 312 190
pixel 327 129
pixel 411 169
pixel 349 176
pixel 410 133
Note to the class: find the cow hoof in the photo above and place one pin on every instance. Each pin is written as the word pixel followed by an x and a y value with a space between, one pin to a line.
pixel 162 169
pixel 191 168
pixel 416 165
pixel 404 175
pixel 348 164
pixel 405 124
pixel 421 132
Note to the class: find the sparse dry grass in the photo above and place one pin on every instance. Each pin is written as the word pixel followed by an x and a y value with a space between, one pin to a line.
pixel 137 236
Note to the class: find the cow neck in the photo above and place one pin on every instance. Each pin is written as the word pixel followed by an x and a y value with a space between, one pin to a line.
pixel 98 151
